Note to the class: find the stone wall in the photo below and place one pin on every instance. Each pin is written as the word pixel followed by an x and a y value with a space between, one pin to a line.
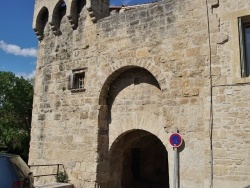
pixel 230 96
pixel 146 69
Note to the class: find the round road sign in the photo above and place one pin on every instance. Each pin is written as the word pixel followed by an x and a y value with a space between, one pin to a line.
pixel 175 140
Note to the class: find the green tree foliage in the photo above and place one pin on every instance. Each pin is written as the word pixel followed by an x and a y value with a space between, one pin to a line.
pixel 16 98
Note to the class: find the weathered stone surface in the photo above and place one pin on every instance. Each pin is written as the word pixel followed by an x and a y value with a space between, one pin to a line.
pixel 147 71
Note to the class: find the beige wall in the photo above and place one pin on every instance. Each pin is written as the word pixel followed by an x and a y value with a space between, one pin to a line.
pixel 170 40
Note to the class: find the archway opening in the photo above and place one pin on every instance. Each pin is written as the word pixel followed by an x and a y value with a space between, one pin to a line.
pixel 58 14
pixel 138 159
pixel 76 8
pixel 130 99
pixel 41 22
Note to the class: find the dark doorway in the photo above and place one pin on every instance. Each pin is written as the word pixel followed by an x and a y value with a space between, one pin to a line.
pixel 135 164
pixel 143 162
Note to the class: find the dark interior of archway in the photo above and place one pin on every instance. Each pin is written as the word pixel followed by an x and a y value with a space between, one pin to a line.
pixel 144 161
pixel 58 13
pixel 76 8
pixel 42 20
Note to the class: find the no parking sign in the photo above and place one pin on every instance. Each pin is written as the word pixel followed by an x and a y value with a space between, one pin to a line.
pixel 175 140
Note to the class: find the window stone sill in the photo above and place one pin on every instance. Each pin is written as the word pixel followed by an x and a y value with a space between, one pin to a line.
pixel 78 90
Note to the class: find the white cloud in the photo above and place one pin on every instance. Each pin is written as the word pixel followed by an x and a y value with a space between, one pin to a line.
pixel 26 75
pixel 16 50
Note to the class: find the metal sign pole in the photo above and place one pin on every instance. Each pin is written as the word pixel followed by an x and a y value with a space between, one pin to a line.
pixel 175 167
pixel 176 141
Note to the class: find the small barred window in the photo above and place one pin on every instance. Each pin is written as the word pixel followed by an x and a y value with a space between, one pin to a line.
pixel 76 80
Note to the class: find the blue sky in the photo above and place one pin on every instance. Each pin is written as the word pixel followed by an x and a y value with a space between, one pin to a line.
pixel 18 42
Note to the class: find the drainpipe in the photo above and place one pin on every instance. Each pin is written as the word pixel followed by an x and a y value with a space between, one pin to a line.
pixel 211 99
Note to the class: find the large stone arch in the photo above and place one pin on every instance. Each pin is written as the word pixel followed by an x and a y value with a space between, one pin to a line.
pixel 142 110
pixel 109 72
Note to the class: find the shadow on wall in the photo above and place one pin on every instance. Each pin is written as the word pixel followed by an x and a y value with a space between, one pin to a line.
pixel 130 77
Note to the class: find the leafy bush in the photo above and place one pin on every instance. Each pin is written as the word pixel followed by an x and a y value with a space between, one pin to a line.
pixel 62 177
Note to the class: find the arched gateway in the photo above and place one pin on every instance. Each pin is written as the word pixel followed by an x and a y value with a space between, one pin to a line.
pixel 138 159
pixel 131 129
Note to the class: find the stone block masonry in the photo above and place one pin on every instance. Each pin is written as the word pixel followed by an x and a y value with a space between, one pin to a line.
pixel 144 72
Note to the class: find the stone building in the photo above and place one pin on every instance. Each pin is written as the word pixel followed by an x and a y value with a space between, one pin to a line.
pixel 113 83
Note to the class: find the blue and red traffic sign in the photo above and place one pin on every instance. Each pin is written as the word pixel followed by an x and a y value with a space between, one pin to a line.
pixel 175 140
